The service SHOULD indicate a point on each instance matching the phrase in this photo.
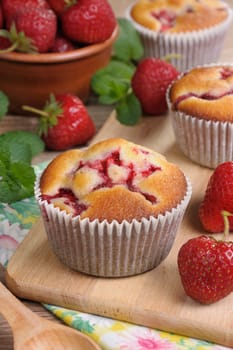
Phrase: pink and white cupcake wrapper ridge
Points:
(111, 249)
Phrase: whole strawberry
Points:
(40, 25)
(206, 268)
(64, 122)
(89, 21)
(11, 7)
(218, 197)
(150, 82)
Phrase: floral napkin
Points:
(15, 221)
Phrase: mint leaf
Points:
(128, 46)
(4, 104)
(16, 177)
(129, 110)
(112, 82)
(34, 142)
(18, 182)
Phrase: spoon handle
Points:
(15, 312)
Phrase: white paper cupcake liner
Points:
(194, 48)
(111, 249)
(206, 142)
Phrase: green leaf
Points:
(128, 46)
(16, 178)
(18, 137)
(129, 110)
(112, 82)
(4, 104)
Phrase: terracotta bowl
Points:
(30, 78)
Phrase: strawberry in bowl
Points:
(37, 58)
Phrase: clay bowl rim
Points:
(48, 58)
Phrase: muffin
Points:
(191, 30)
(112, 209)
(201, 102)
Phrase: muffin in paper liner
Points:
(111, 249)
(186, 50)
(205, 142)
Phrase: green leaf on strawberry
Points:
(4, 104)
(128, 46)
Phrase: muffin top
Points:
(113, 179)
(205, 93)
(176, 16)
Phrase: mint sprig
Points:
(112, 84)
(17, 176)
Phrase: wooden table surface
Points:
(99, 114)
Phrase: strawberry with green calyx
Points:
(33, 29)
(64, 122)
(218, 197)
(59, 6)
(206, 266)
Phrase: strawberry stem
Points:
(225, 215)
(40, 112)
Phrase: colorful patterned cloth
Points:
(15, 221)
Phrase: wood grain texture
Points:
(156, 298)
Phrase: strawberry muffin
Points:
(112, 209)
(201, 102)
(193, 30)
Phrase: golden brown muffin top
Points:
(176, 16)
(113, 179)
(205, 93)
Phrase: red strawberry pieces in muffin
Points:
(218, 197)
(150, 82)
(89, 21)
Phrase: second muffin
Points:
(201, 101)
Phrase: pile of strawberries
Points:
(54, 25)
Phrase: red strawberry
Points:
(206, 268)
(40, 25)
(150, 82)
(218, 197)
(33, 29)
(65, 122)
(59, 6)
(11, 7)
(89, 21)
(62, 44)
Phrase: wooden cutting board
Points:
(156, 298)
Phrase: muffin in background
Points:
(201, 102)
(113, 209)
(191, 30)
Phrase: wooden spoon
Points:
(32, 332)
